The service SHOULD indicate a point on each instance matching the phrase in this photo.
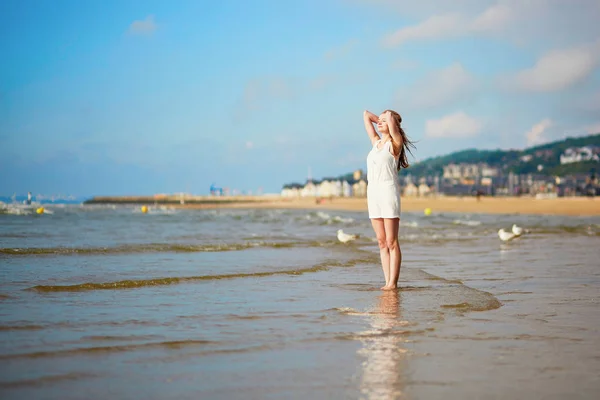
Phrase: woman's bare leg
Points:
(395, 254)
(379, 229)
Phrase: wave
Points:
(154, 248)
(409, 224)
(173, 344)
(584, 229)
(16, 209)
(44, 380)
(322, 218)
(31, 327)
(131, 284)
(467, 222)
(428, 237)
(28, 326)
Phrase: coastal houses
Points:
(465, 172)
(326, 188)
(579, 154)
(354, 186)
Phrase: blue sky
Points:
(143, 97)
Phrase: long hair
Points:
(406, 143)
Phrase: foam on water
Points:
(467, 222)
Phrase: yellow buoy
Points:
(427, 211)
(40, 210)
(144, 209)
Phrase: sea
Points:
(107, 301)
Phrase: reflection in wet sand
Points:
(382, 375)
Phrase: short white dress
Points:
(383, 190)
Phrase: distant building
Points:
(346, 189)
(578, 154)
(424, 190)
(216, 191)
(291, 190)
(464, 171)
(326, 188)
(452, 171)
(410, 190)
(526, 158)
(309, 190)
(360, 188)
(489, 172)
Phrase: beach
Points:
(263, 302)
(574, 206)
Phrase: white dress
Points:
(383, 190)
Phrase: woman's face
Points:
(382, 125)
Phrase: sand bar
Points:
(575, 206)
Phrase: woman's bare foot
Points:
(389, 287)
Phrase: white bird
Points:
(506, 236)
(345, 237)
(517, 230)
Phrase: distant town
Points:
(479, 178)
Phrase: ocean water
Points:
(99, 301)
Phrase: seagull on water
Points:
(517, 230)
(506, 236)
(345, 237)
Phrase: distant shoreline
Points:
(177, 200)
(572, 206)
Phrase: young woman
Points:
(384, 161)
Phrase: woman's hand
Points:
(389, 118)
(372, 117)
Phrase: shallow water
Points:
(104, 301)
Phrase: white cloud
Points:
(554, 23)
(249, 145)
(536, 135)
(441, 87)
(448, 25)
(143, 27)
(495, 17)
(423, 7)
(451, 25)
(558, 69)
(457, 125)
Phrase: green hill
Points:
(515, 161)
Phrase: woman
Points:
(384, 161)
